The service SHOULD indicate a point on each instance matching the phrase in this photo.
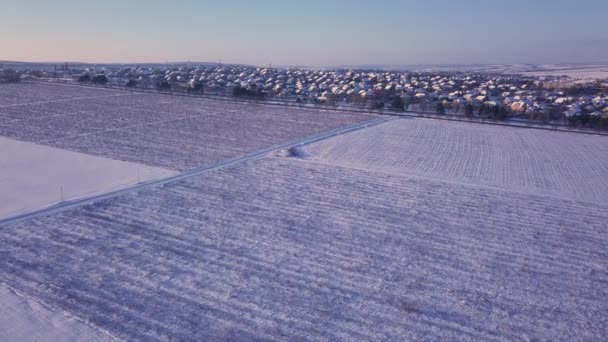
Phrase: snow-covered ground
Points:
(34, 176)
(175, 132)
(566, 165)
(586, 73)
(287, 248)
(12, 94)
(22, 319)
(577, 71)
(410, 230)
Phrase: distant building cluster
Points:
(486, 95)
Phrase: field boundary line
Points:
(77, 202)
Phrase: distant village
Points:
(547, 99)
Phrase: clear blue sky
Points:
(307, 32)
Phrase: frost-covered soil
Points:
(35, 176)
(22, 319)
(566, 165)
(159, 130)
(12, 94)
(289, 248)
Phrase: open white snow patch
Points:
(34, 176)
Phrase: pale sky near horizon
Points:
(313, 32)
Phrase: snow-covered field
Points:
(31, 93)
(22, 319)
(576, 71)
(566, 165)
(582, 73)
(34, 176)
(159, 130)
(287, 248)
(415, 229)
